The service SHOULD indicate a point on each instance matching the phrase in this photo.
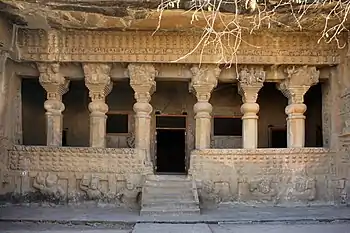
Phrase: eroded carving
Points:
(263, 175)
(219, 191)
(340, 190)
(51, 78)
(298, 81)
(301, 188)
(97, 80)
(90, 184)
(142, 80)
(130, 194)
(204, 79)
(250, 81)
(251, 75)
(263, 189)
(48, 186)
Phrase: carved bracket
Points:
(142, 80)
(204, 80)
(298, 81)
(250, 81)
(97, 80)
(52, 80)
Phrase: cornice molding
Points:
(165, 47)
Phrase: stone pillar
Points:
(55, 85)
(142, 80)
(294, 86)
(250, 82)
(204, 80)
(99, 83)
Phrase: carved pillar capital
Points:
(142, 80)
(52, 80)
(55, 85)
(298, 81)
(97, 80)
(250, 81)
(204, 80)
(99, 83)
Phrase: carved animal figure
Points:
(263, 189)
(301, 189)
(129, 194)
(91, 186)
(48, 186)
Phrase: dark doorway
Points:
(171, 144)
(278, 138)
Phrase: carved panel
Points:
(280, 176)
(69, 159)
(108, 46)
(345, 113)
(269, 161)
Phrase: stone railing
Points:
(76, 159)
(272, 176)
(73, 174)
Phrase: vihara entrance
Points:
(171, 144)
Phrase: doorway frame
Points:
(155, 128)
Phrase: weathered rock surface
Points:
(143, 15)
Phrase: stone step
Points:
(161, 211)
(169, 203)
(172, 184)
(165, 198)
(167, 191)
(170, 195)
(168, 178)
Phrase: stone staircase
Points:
(169, 195)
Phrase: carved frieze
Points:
(90, 184)
(47, 185)
(109, 46)
(258, 189)
(270, 161)
(267, 175)
(301, 188)
(69, 159)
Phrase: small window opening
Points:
(278, 137)
(227, 126)
(117, 123)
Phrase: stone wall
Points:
(71, 175)
(306, 176)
